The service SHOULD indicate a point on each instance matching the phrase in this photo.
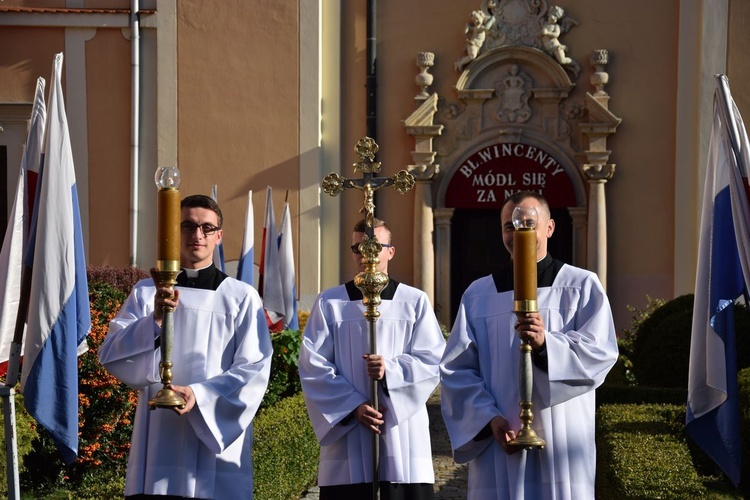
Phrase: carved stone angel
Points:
(479, 23)
(551, 31)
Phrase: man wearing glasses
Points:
(336, 367)
(222, 359)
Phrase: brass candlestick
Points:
(167, 268)
(525, 301)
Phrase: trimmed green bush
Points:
(664, 335)
(622, 373)
(642, 453)
(285, 451)
(661, 347)
(611, 394)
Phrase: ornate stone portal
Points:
(513, 97)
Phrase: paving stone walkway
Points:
(450, 478)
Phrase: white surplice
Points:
(335, 382)
(480, 380)
(222, 350)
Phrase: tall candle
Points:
(168, 224)
(524, 268)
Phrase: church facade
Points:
(603, 106)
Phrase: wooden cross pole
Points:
(371, 281)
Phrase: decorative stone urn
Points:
(425, 60)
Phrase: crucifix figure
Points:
(371, 281)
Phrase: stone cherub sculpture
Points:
(550, 38)
(476, 29)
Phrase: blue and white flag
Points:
(269, 283)
(245, 267)
(713, 418)
(286, 268)
(17, 232)
(218, 249)
(59, 319)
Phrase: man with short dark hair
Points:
(573, 348)
(222, 359)
(336, 368)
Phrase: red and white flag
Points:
(269, 282)
(17, 232)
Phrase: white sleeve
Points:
(329, 396)
(129, 351)
(467, 405)
(227, 403)
(412, 376)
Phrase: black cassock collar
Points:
(387, 294)
(546, 272)
(208, 278)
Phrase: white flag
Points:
(286, 267)
(245, 267)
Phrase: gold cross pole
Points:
(371, 281)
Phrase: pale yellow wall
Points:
(108, 85)
(238, 109)
(738, 69)
(27, 54)
(353, 124)
(643, 89)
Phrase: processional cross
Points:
(371, 281)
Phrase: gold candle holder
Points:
(525, 301)
(167, 268)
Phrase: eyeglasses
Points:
(207, 229)
(355, 247)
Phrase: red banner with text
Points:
(495, 172)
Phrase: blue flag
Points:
(713, 418)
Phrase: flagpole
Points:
(371, 281)
(733, 135)
(8, 392)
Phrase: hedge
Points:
(285, 450)
(641, 453)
